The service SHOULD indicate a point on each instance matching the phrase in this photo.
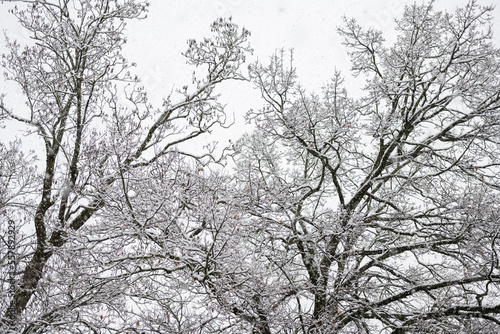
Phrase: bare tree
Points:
(97, 128)
(378, 214)
(370, 215)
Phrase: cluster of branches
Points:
(371, 215)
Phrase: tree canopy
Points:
(336, 214)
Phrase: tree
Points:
(97, 128)
(371, 215)
(378, 214)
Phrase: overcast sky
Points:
(309, 27)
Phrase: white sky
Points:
(307, 26)
(310, 28)
(156, 43)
